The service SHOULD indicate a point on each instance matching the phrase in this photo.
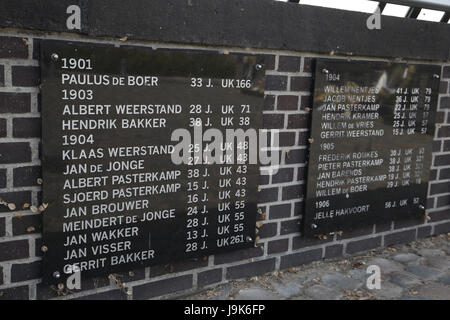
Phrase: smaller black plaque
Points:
(371, 143)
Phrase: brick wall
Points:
(279, 242)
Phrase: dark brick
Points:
(299, 207)
(269, 62)
(446, 72)
(442, 228)
(301, 174)
(439, 215)
(11, 102)
(297, 121)
(334, 251)
(263, 179)
(293, 192)
(26, 176)
(423, 232)
(108, 295)
(2, 227)
(303, 138)
(296, 156)
(363, 245)
(267, 230)
(276, 246)
(27, 224)
(290, 226)
(287, 103)
(306, 102)
(1, 275)
(239, 255)
(406, 223)
(443, 201)
(16, 293)
(268, 195)
(445, 102)
(15, 152)
(276, 83)
(206, 278)
(25, 76)
(444, 132)
(433, 174)
(437, 145)
(26, 127)
(301, 84)
(26, 271)
(19, 198)
(283, 175)
(308, 65)
(180, 266)
(162, 287)
(400, 237)
(430, 203)
(250, 269)
(289, 64)
(280, 211)
(440, 117)
(3, 130)
(443, 87)
(447, 143)
(444, 174)
(131, 275)
(296, 259)
(302, 242)
(2, 76)
(286, 139)
(269, 103)
(38, 244)
(437, 188)
(273, 121)
(13, 250)
(12, 47)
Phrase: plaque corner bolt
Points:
(436, 76)
(313, 226)
(325, 71)
(421, 207)
(56, 275)
(54, 56)
(259, 66)
(249, 239)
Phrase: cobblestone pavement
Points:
(418, 270)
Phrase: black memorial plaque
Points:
(115, 199)
(371, 143)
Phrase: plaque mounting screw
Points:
(421, 207)
(314, 226)
(249, 239)
(55, 57)
(258, 66)
(56, 275)
(436, 76)
(325, 71)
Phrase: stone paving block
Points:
(404, 279)
(445, 279)
(424, 272)
(319, 292)
(339, 281)
(256, 293)
(426, 252)
(287, 290)
(388, 291)
(406, 257)
(435, 291)
(438, 262)
(386, 266)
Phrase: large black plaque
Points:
(372, 132)
(116, 201)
